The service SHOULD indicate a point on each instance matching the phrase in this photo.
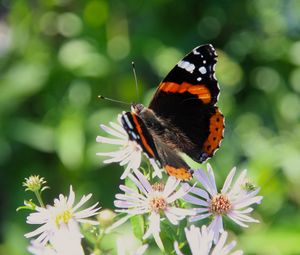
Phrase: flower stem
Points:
(39, 198)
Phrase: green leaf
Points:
(138, 226)
(129, 183)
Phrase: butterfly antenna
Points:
(136, 83)
(113, 100)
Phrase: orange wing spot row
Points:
(180, 173)
(139, 129)
(216, 128)
(201, 90)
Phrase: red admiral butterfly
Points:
(182, 116)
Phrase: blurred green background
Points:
(56, 56)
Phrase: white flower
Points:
(62, 242)
(129, 153)
(233, 201)
(201, 242)
(62, 217)
(156, 200)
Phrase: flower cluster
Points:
(164, 204)
(163, 199)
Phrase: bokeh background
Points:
(56, 56)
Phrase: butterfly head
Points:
(137, 108)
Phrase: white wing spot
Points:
(196, 52)
(187, 66)
(202, 70)
(204, 61)
(199, 79)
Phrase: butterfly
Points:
(182, 116)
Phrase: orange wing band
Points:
(216, 128)
(139, 129)
(180, 173)
(201, 90)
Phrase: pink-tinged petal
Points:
(193, 237)
(220, 243)
(228, 180)
(124, 204)
(174, 219)
(247, 210)
(175, 214)
(133, 211)
(200, 210)
(233, 218)
(211, 177)
(245, 196)
(199, 217)
(237, 186)
(139, 184)
(217, 227)
(154, 225)
(242, 217)
(202, 177)
(131, 198)
(171, 185)
(181, 211)
(177, 195)
(254, 200)
(131, 192)
(195, 200)
(197, 191)
(143, 181)
(158, 241)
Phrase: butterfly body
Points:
(182, 116)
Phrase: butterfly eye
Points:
(137, 108)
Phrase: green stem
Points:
(39, 198)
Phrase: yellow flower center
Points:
(63, 217)
(220, 204)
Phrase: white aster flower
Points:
(62, 242)
(129, 153)
(201, 242)
(156, 200)
(61, 219)
(233, 201)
